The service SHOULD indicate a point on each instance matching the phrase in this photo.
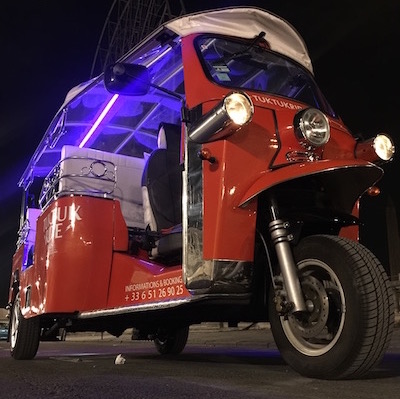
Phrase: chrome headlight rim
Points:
(312, 127)
(237, 99)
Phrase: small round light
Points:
(373, 191)
(383, 147)
(313, 127)
(239, 108)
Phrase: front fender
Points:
(361, 175)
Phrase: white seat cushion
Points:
(74, 177)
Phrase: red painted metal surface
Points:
(82, 261)
(136, 282)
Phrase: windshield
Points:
(236, 64)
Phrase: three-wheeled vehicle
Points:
(204, 177)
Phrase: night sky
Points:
(47, 47)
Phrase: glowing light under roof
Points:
(96, 124)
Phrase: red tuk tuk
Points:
(204, 177)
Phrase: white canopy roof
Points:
(239, 21)
(247, 23)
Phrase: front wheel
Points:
(24, 333)
(350, 311)
(171, 341)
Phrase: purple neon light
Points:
(96, 124)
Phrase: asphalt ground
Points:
(219, 362)
(248, 335)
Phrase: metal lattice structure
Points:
(127, 23)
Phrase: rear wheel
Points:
(24, 333)
(349, 318)
(171, 341)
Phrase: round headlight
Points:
(312, 127)
(383, 147)
(239, 108)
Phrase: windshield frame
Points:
(320, 102)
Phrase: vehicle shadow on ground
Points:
(389, 368)
(223, 355)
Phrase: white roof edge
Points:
(246, 22)
(76, 90)
(249, 21)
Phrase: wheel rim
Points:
(14, 322)
(318, 331)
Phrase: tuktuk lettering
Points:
(59, 220)
(276, 102)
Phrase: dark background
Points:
(47, 47)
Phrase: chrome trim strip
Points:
(133, 308)
(156, 305)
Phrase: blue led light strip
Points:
(96, 124)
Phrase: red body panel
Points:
(73, 254)
(82, 261)
(136, 282)
(292, 171)
(241, 159)
(246, 161)
(78, 268)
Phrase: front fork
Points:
(291, 298)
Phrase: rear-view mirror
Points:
(127, 79)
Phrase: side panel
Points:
(16, 268)
(218, 234)
(245, 156)
(72, 264)
(225, 230)
(137, 282)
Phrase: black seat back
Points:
(162, 179)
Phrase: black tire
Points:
(171, 341)
(350, 315)
(24, 333)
